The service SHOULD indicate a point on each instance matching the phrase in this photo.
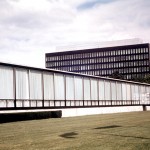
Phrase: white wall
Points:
(98, 110)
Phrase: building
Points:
(24, 88)
(131, 61)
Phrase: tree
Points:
(116, 75)
(145, 79)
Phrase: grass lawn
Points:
(127, 131)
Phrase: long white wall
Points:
(31, 86)
(99, 110)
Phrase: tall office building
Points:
(131, 61)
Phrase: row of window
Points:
(101, 60)
(105, 70)
(108, 73)
(98, 54)
(100, 65)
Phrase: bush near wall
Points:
(22, 116)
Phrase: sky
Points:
(31, 28)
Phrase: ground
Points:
(121, 131)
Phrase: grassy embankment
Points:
(127, 131)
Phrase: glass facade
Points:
(130, 61)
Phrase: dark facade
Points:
(131, 61)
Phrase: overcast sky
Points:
(30, 28)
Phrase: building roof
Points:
(99, 49)
(91, 45)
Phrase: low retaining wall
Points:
(70, 112)
(148, 108)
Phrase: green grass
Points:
(127, 131)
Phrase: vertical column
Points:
(83, 89)
(104, 92)
(121, 93)
(116, 90)
(98, 90)
(90, 92)
(42, 89)
(110, 92)
(65, 89)
(14, 86)
(54, 89)
(29, 87)
(74, 90)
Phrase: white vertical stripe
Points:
(132, 92)
(48, 86)
(87, 91)
(35, 85)
(142, 93)
(22, 85)
(94, 94)
(59, 87)
(107, 90)
(124, 91)
(128, 92)
(101, 90)
(70, 88)
(119, 91)
(136, 92)
(78, 88)
(6, 83)
(113, 90)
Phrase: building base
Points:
(72, 112)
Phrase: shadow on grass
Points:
(116, 126)
(138, 137)
(69, 135)
(108, 127)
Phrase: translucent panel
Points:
(19, 103)
(22, 84)
(128, 92)
(148, 92)
(33, 103)
(10, 103)
(59, 87)
(101, 90)
(39, 103)
(6, 83)
(51, 103)
(107, 91)
(35, 85)
(46, 103)
(119, 91)
(136, 92)
(26, 103)
(87, 90)
(133, 96)
(94, 89)
(70, 88)
(3, 103)
(142, 93)
(124, 91)
(48, 79)
(78, 88)
(113, 90)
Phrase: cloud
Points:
(29, 28)
(92, 3)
